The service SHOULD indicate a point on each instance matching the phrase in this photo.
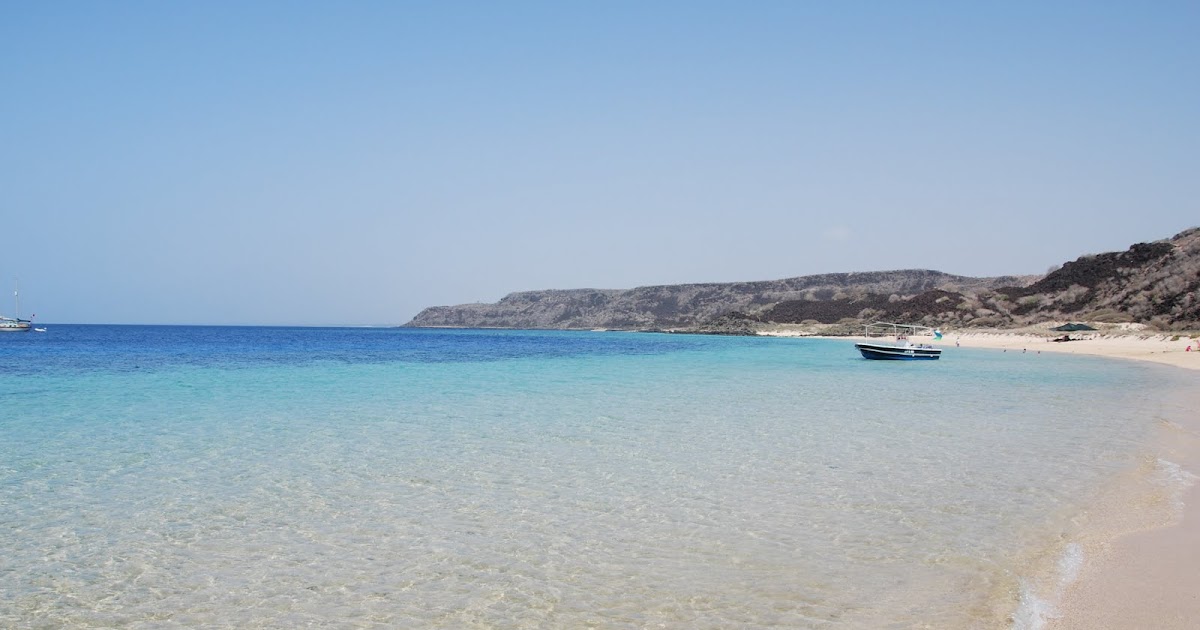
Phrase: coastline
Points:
(1165, 348)
(1159, 348)
(1144, 572)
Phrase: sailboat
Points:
(15, 323)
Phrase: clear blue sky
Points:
(353, 162)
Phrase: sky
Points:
(350, 163)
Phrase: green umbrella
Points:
(1072, 327)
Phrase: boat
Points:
(902, 348)
(11, 324)
(15, 324)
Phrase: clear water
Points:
(276, 477)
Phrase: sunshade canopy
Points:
(1072, 327)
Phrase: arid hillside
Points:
(1151, 283)
(691, 305)
(1156, 284)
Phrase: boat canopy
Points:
(880, 329)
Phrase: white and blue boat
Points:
(902, 349)
(14, 324)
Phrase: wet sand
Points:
(1146, 579)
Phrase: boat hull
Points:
(897, 353)
(14, 328)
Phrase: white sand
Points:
(1157, 348)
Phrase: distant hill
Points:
(1152, 283)
(689, 305)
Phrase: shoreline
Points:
(1159, 348)
(1145, 574)
(1164, 348)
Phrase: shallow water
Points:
(274, 477)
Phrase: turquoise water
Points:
(273, 477)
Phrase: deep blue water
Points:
(119, 348)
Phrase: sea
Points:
(272, 477)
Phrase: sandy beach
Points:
(1170, 349)
(1146, 575)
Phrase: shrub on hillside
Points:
(1108, 316)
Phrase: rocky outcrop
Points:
(1151, 283)
(1154, 283)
